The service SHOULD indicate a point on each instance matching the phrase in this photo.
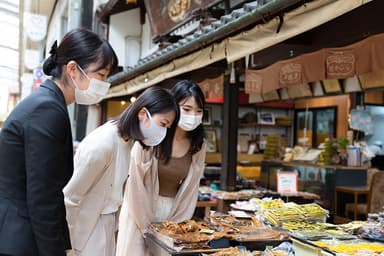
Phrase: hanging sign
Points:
(253, 82)
(213, 89)
(287, 182)
(35, 26)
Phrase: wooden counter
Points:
(207, 205)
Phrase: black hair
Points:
(183, 90)
(84, 47)
(156, 100)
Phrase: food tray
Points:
(157, 247)
(375, 239)
(187, 236)
(259, 245)
(313, 235)
(349, 247)
(372, 231)
(261, 238)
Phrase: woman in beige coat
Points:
(94, 194)
(160, 190)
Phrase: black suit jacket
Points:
(36, 162)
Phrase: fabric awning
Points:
(302, 19)
(365, 56)
(298, 21)
(196, 60)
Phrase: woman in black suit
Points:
(36, 152)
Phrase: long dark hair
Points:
(183, 90)
(82, 46)
(156, 100)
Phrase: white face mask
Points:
(189, 122)
(154, 134)
(95, 91)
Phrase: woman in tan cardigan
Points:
(160, 190)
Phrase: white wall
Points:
(122, 25)
(127, 24)
(97, 3)
(147, 47)
(54, 27)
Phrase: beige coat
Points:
(141, 194)
(89, 190)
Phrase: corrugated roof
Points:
(250, 13)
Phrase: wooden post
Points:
(229, 133)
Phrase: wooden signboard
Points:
(165, 15)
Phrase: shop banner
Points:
(213, 88)
(326, 65)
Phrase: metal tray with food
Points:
(350, 247)
(372, 238)
(188, 235)
(158, 247)
(260, 245)
(315, 235)
(260, 238)
(232, 251)
(372, 231)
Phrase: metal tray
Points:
(259, 245)
(374, 239)
(158, 248)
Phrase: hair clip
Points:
(53, 48)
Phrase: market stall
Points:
(268, 226)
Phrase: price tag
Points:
(287, 182)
